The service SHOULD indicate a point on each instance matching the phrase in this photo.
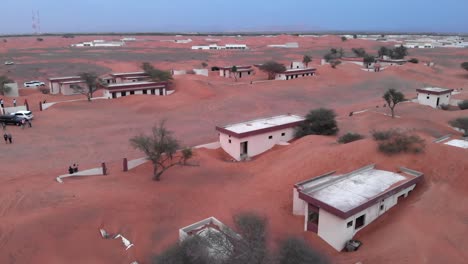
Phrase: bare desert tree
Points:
(234, 72)
(3, 88)
(93, 83)
(156, 75)
(393, 97)
(296, 251)
(161, 148)
(272, 68)
(306, 60)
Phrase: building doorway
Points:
(114, 95)
(244, 149)
(360, 221)
(161, 92)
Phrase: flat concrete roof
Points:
(354, 191)
(64, 78)
(263, 123)
(115, 85)
(458, 143)
(436, 89)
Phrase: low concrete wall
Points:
(203, 72)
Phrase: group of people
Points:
(7, 137)
(2, 103)
(73, 169)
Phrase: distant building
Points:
(434, 96)
(127, 77)
(295, 73)
(117, 90)
(217, 47)
(296, 69)
(65, 85)
(248, 139)
(336, 207)
(241, 70)
(289, 45)
(417, 45)
(100, 43)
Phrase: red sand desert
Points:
(42, 221)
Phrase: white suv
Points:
(24, 114)
(34, 84)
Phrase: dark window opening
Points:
(270, 137)
(349, 224)
(427, 97)
(132, 92)
(360, 221)
(229, 141)
(124, 93)
(283, 134)
(314, 217)
(153, 91)
(381, 207)
(144, 91)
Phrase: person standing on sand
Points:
(14, 102)
(23, 123)
(29, 123)
(1, 102)
(70, 170)
(10, 138)
(5, 136)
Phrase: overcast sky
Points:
(234, 15)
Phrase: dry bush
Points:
(349, 137)
(394, 141)
(463, 104)
(44, 90)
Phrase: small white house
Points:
(127, 77)
(295, 73)
(241, 71)
(434, 96)
(117, 90)
(248, 139)
(99, 43)
(217, 47)
(336, 207)
(65, 85)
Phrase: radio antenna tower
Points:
(36, 22)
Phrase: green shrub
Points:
(394, 141)
(349, 137)
(413, 60)
(463, 104)
(319, 121)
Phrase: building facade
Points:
(248, 139)
(241, 71)
(132, 88)
(336, 207)
(295, 73)
(434, 96)
(64, 85)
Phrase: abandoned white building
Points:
(336, 207)
(126, 77)
(217, 47)
(100, 43)
(295, 73)
(65, 85)
(116, 90)
(417, 45)
(241, 70)
(434, 96)
(288, 45)
(248, 139)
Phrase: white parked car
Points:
(9, 63)
(34, 84)
(24, 114)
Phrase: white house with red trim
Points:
(296, 69)
(116, 90)
(251, 138)
(337, 206)
(434, 96)
(63, 85)
(241, 71)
